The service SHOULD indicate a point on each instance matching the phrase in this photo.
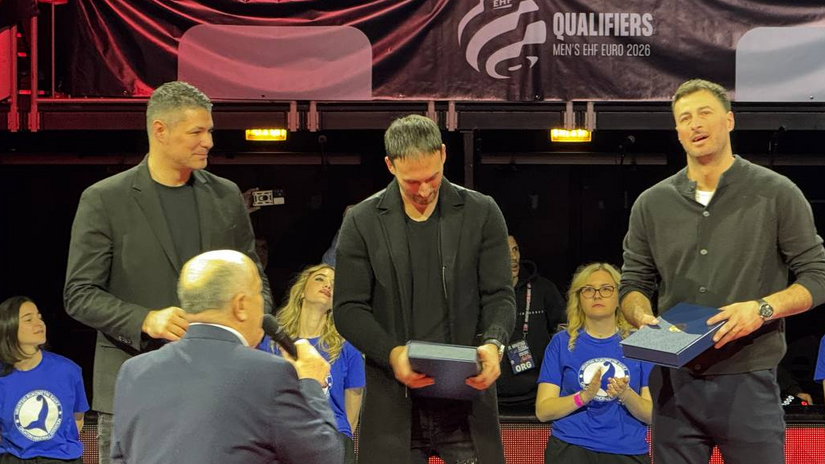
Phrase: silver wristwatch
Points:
(497, 344)
(765, 309)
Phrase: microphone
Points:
(627, 142)
(276, 332)
(773, 143)
(775, 136)
(779, 130)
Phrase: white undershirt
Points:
(704, 196)
(230, 329)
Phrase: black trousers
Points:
(441, 428)
(740, 413)
(560, 452)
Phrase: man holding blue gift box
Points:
(723, 232)
(424, 260)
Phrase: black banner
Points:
(499, 50)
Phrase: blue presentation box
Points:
(449, 365)
(681, 335)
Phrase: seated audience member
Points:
(42, 399)
(209, 398)
(819, 374)
(539, 309)
(307, 314)
(598, 400)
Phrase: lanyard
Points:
(526, 325)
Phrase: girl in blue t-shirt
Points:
(598, 400)
(42, 399)
(308, 314)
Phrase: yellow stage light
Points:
(265, 135)
(575, 135)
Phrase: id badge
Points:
(521, 360)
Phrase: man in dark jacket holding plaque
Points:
(723, 233)
(539, 310)
(424, 260)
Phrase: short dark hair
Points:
(174, 97)
(697, 85)
(10, 352)
(412, 136)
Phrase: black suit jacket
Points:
(122, 261)
(373, 299)
(210, 399)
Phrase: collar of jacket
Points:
(687, 187)
(528, 271)
(447, 196)
(143, 179)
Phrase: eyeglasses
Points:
(605, 291)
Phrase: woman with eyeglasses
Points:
(42, 399)
(598, 400)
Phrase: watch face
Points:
(765, 310)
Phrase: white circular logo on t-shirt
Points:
(610, 368)
(38, 415)
(328, 387)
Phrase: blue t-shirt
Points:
(819, 375)
(346, 372)
(603, 425)
(37, 410)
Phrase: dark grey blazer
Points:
(122, 261)
(210, 399)
(373, 298)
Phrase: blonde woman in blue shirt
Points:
(598, 400)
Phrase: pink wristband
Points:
(577, 398)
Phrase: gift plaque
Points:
(681, 335)
(449, 365)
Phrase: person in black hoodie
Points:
(520, 365)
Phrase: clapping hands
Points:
(617, 387)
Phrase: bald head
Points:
(211, 280)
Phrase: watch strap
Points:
(498, 344)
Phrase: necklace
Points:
(596, 335)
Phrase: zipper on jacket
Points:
(444, 281)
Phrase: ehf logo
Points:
(610, 368)
(38, 415)
(509, 15)
(328, 388)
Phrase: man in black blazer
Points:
(424, 260)
(212, 397)
(133, 232)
